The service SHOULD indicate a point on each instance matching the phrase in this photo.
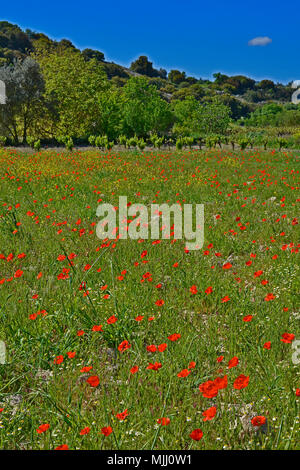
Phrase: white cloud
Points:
(260, 41)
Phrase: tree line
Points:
(57, 93)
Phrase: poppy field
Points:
(143, 344)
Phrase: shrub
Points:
(92, 139)
(179, 143)
(188, 141)
(69, 143)
(132, 142)
(37, 145)
(3, 140)
(122, 139)
(30, 141)
(101, 141)
(243, 142)
(141, 144)
(282, 143)
(159, 141)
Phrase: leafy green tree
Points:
(143, 108)
(109, 119)
(175, 76)
(186, 116)
(14, 39)
(194, 118)
(220, 79)
(89, 54)
(195, 90)
(215, 118)
(143, 66)
(266, 85)
(76, 87)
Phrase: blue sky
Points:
(200, 37)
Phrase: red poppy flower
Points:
(233, 362)
(209, 414)
(71, 354)
(97, 328)
(221, 382)
(287, 338)
(258, 420)
(258, 273)
(123, 415)
(134, 369)
(196, 435)
(241, 381)
(193, 289)
(184, 373)
(164, 421)
(267, 345)
(227, 266)
(86, 369)
(155, 366)
(43, 428)
(159, 302)
(93, 381)
(18, 273)
(124, 345)
(106, 431)
(62, 447)
(85, 431)
(269, 297)
(247, 318)
(174, 336)
(111, 319)
(139, 318)
(59, 359)
(209, 389)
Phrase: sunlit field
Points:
(141, 344)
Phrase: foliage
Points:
(144, 67)
(25, 103)
(143, 109)
(195, 118)
(76, 88)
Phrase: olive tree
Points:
(24, 85)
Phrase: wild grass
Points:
(48, 205)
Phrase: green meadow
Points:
(143, 344)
